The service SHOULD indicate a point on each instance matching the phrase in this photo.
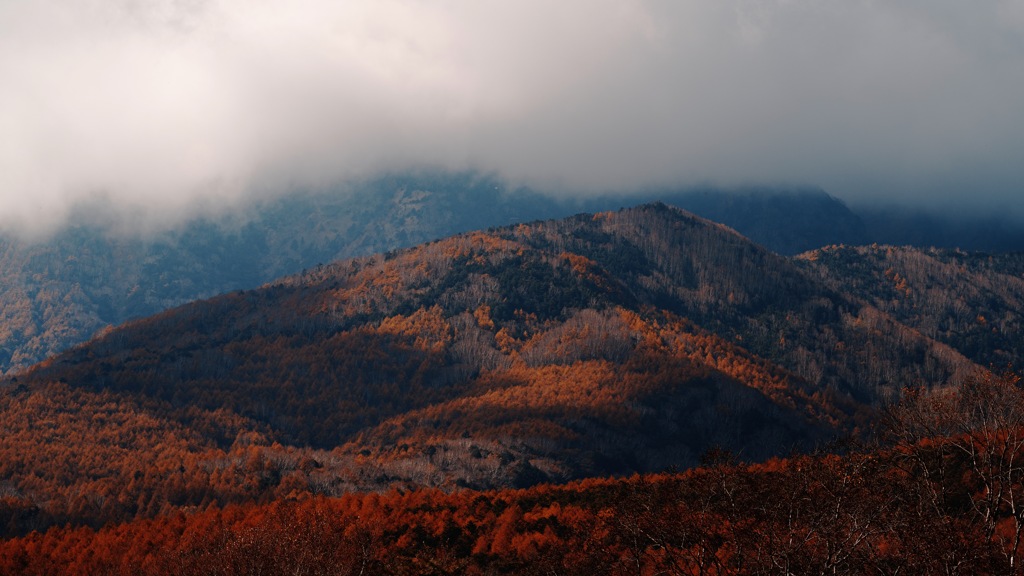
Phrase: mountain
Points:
(94, 275)
(612, 343)
(61, 292)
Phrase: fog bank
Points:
(165, 109)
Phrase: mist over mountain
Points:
(60, 292)
(168, 110)
(905, 226)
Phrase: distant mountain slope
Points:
(530, 275)
(972, 302)
(440, 314)
(61, 292)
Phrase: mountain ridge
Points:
(61, 292)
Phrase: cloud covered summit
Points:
(168, 107)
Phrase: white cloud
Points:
(163, 106)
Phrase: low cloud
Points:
(160, 109)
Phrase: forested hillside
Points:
(600, 344)
(973, 302)
(925, 504)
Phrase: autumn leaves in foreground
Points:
(943, 495)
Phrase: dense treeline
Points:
(925, 505)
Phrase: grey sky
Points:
(166, 107)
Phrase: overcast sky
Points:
(165, 107)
